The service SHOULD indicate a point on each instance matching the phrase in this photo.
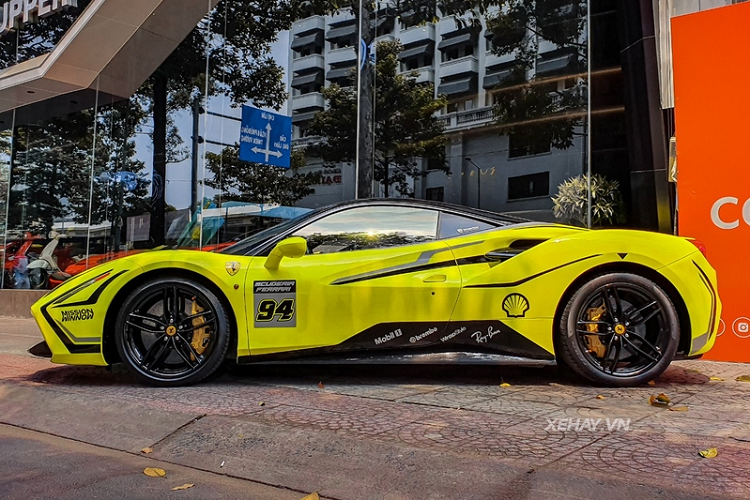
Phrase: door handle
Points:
(436, 278)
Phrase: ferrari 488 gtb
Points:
(400, 278)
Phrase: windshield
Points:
(246, 246)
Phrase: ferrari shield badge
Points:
(233, 268)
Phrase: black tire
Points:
(630, 341)
(38, 278)
(157, 336)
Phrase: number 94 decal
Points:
(270, 310)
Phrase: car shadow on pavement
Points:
(366, 375)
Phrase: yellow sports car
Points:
(403, 278)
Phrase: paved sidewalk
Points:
(405, 432)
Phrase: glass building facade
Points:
(121, 130)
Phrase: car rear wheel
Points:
(172, 332)
(619, 329)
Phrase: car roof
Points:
(435, 205)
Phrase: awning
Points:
(341, 31)
(554, 63)
(420, 50)
(313, 39)
(339, 73)
(308, 79)
(457, 39)
(498, 75)
(303, 117)
(458, 86)
(282, 212)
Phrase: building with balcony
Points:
(522, 115)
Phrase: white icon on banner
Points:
(722, 328)
(741, 327)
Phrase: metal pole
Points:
(194, 158)
(588, 112)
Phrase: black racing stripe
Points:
(707, 282)
(69, 345)
(479, 259)
(396, 272)
(417, 337)
(51, 322)
(94, 296)
(534, 276)
(85, 349)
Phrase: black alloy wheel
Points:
(619, 329)
(172, 332)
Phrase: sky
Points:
(212, 128)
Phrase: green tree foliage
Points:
(405, 126)
(539, 107)
(571, 201)
(53, 162)
(237, 180)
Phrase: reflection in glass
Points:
(370, 227)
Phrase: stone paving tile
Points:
(387, 392)
(457, 396)
(512, 406)
(664, 459)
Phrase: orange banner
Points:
(711, 55)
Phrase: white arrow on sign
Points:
(267, 151)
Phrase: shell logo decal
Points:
(515, 305)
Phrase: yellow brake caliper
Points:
(593, 342)
(201, 335)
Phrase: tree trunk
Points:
(365, 145)
(158, 185)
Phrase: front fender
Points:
(72, 317)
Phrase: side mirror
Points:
(294, 247)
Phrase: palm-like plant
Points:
(607, 206)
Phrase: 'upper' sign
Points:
(16, 13)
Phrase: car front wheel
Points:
(172, 332)
(619, 329)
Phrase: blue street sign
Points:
(266, 137)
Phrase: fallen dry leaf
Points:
(183, 487)
(692, 370)
(716, 378)
(709, 453)
(147, 450)
(321, 385)
(261, 404)
(312, 496)
(505, 384)
(154, 472)
(600, 397)
(679, 408)
(660, 400)
(651, 382)
(743, 378)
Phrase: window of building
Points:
(369, 228)
(528, 186)
(455, 225)
(452, 107)
(527, 143)
(435, 194)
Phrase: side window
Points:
(370, 227)
(455, 225)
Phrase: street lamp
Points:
(479, 181)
